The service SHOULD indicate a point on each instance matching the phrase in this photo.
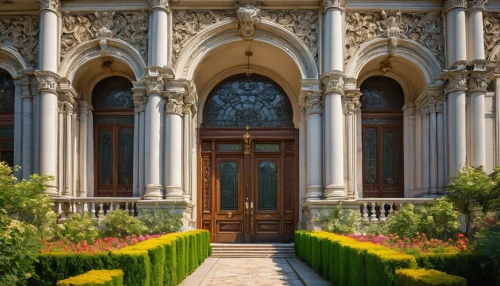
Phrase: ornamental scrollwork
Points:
(128, 26)
(491, 31)
(423, 28)
(21, 32)
(188, 23)
(248, 15)
(303, 23)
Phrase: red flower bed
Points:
(101, 244)
(416, 245)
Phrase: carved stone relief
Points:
(491, 30)
(131, 27)
(303, 23)
(22, 33)
(424, 28)
(188, 23)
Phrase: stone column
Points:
(302, 154)
(476, 36)
(68, 152)
(173, 143)
(83, 112)
(154, 136)
(139, 107)
(425, 149)
(351, 106)
(27, 138)
(436, 137)
(409, 147)
(186, 150)
(455, 90)
(314, 189)
(441, 147)
(418, 150)
(333, 79)
(18, 125)
(48, 80)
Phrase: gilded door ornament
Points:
(248, 141)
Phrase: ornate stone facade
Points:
(21, 32)
(131, 27)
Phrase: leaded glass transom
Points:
(229, 148)
(268, 186)
(228, 186)
(7, 92)
(380, 92)
(262, 147)
(256, 101)
(113, 93)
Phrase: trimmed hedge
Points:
(161, 261)
(474, 267)
(423, 277)
(95, 278)
(346, 261)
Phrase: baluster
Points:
(382, 212)
(126, 208)
(111, 206)
(136, 212)
(401, 206)
(85, 208)
(365, 212)
(391, 211)
(59, 210)
(100, 211)
(373, 216)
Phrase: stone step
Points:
(253, 255)
(249, 250)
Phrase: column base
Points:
(314, 193)
(174, 192)
(51, 191)
(335, 192)
(153, 192)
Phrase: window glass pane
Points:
(256, 101)
(8, 145)
(8, 156)
(113, 92)
(7, 92)
(390, 156)
(126, 156)
(229, 148)
(382, 121)
(381, 92)
(228, 186)
(268, 186)
(370, 156)
(113, 120)
(267, 147)
(105, 157)
(7, 132)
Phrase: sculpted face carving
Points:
(248, 15)
(423, 28)
(128, 26)
(21, 32)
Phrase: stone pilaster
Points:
(351, 107)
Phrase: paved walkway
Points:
(254, 271)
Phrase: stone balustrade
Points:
(100, 206)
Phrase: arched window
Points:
(113, 104)
(7, 97)
(256, 101)
(382, 103)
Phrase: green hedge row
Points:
(346, 261)
(166, 260)
(95, 278)
(423, 277)
(474, 267)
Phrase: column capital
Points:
(174, 101)
(140, 97)
(53, 5)
(314, 104)
(351, 103)
(47, 81)
(333, 4)
(479, 72)
(154, 85)
(333, 82)
(159, 4)
(476, 5)
(454, 4)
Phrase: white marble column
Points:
(314, 189)
(351, 106)
(333, 79)
(441, 148)
(418, 150)
(48, 65)
(83, 112)
(186, 150)
(456, 51)
(68, 152)
(90, 154)
(18, 126)
(142, 150)
(27, 137)
(433, 152)
(425, 150)
(138, 170)
(173, 143)
(154, 138)
(409, 149)
(497, 119)
(477, 88)
(302, 154)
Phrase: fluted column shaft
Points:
(173, 144)
(314, 189)
(83, 113)
(27, 131)
(351, 107)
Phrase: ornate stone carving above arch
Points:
(11, 60)
(220, 34)
(21, 33)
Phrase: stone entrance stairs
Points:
(253, 250)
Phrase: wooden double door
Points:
(248, 192)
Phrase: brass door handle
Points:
(251, 208)
(246, 206)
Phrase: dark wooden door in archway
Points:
(249, 197)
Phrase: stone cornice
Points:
(333, 4)
(159, 4)
(333, 82)
(453, 4)
(53, 5)
(47, 81)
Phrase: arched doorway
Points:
(113, 115)
(7, 98)
(382, 121)
(249, 178)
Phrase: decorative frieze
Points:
(303, 23)
(248, 16)
(22, 32)
(314, 105)
(330, 4)
(423, 28)
(333, 81)
(79, 27)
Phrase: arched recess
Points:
(11, 60)
(226, 32)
